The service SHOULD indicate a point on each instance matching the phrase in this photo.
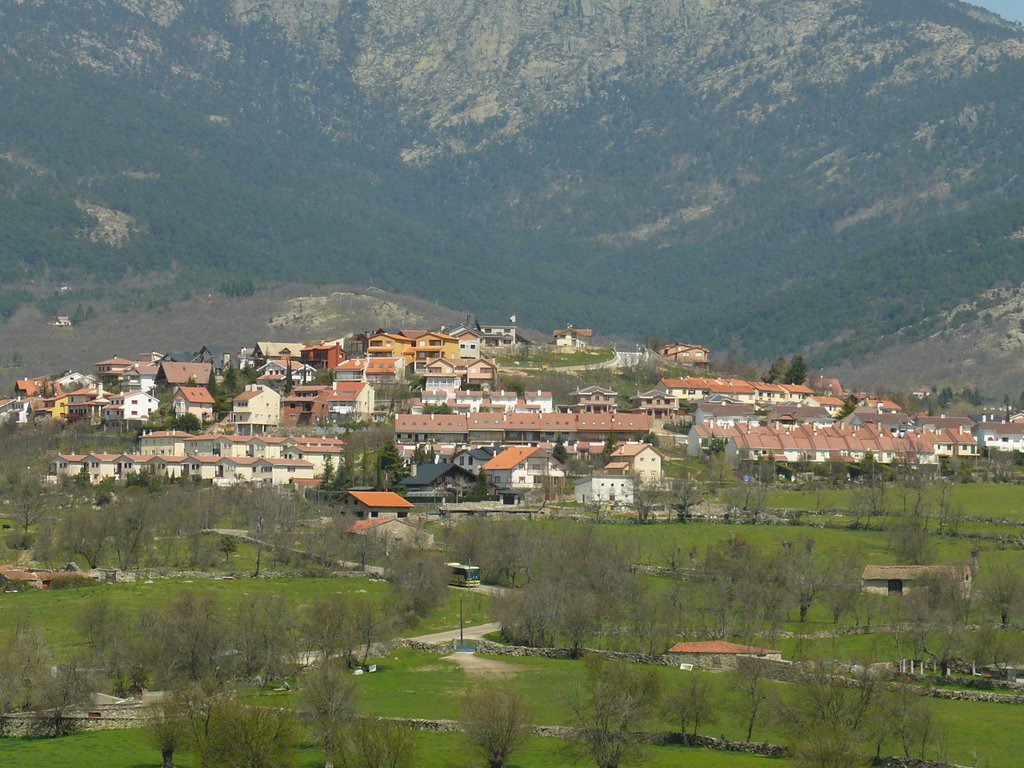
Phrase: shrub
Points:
(71, 581)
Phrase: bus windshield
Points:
(461, 575)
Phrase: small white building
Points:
(130, 406)
(605, 490)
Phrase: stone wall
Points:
(783, 671)
(107, 717)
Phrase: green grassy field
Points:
(992, 500)
(128, 749)
(657, 544)
(57, 612)
(411, 684)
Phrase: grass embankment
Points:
(990, 500)
(57, 612)
(128, 749)
(548, 358)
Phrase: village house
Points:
(15, 411)
(109, 371)
(604, 489)
(85, 406)
(255, 410)
(375, 504)
(523, 468)
(325, 356)
(592, 399)
(572, 338)
(724, 414)
(278, 373)
(384, 370)
(687, 354)
(657, 405)
(640, 460)
(799, 414)
(526, 429)
(452, 375)
(317, 450)
(538, 400)
(264, 351)
(195, 401)
(890, 421)
(898, 580)
(163, 442)
(391, 533)
(351, 400)
(305, 405)
(351, 370)
(437, 480)
(220, 470)
(140, 376)
(386, 344)
(172, 374)
(694, 388)
(840, 443)
(834, 405)
(472, 459)
(501, 401)
(500, 336)
(470, 341)
(431, 345)
(130, 408)
(1000, 436)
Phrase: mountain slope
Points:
(696, 168)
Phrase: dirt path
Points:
(478, 665)
(470, 633)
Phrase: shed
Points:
(901, 579)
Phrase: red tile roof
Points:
(510, 458)
(380, 499)
(195, 395)
(180, 373)
(363, 525)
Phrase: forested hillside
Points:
(813, 175)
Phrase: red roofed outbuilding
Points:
(717, 654)
(376, 504)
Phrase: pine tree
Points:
(796, 373)
(289, 382)
(391, 464)
(558, 452)
(777, 371)
(327, 481)
(481, 488)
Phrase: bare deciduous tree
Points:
(691, 703)
(1001, 587)
(611, 709)
(751, 682)
(374, 743)
(167, 729)
(329, 704)
(496, 722)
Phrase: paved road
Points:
(470, 633)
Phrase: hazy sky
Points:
(1010, 9)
